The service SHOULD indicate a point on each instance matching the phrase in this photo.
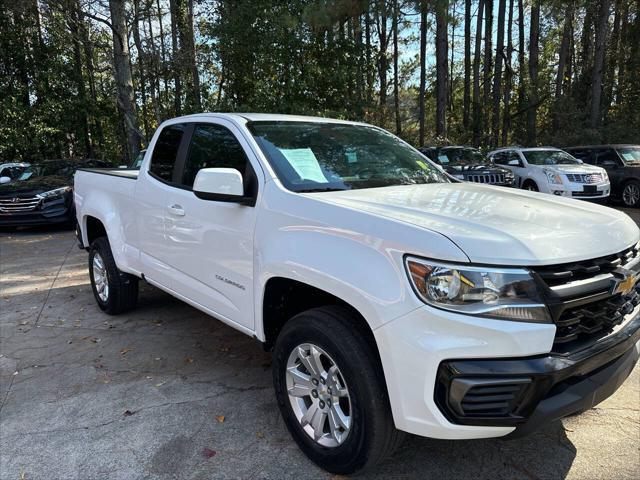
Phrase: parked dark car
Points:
(469, 164)
(42, 194)
(622, 163)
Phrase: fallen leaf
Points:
(259, 434)
(188, 360)
(160, 384)
(220, 418)
(208, 453)
(128, 413)
(124, 351)
(15, 373)
(224, 349)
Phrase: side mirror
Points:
(4, 180)
(221, 185)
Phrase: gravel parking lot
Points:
(167, 392)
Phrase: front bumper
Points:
(530, 392)
(581, 190)
(417, 351)
(52, 213)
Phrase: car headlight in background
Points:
(605, 176)
(500, 293)
(553, 177)
(509, 177)
(51, 194)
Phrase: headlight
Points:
(58, 192)
(553, 177)
(605, 176)
(501, 293)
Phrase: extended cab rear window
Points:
(166, 151)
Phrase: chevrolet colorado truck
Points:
(394, 297)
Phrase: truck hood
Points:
(500, 226)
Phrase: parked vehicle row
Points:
(393, 296)
(589, 173)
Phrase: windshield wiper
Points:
(321, 189)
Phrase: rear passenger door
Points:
(155, 183)
(210, 243)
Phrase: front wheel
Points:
(531, 186)
(631, 194)
(331, 393)
(115, 291)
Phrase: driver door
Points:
(211, 242)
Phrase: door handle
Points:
(176, 210)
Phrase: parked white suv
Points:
(393, 296)
(551, 170)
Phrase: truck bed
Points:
(131, 173)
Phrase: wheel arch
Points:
(284, 297)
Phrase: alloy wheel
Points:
(631, 194)
(318, 395)
(100, 277)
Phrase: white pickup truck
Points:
(394, 297)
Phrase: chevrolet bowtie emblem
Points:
(623, 282)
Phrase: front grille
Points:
(18, 205)
(587, 194)
(580, 301)
(594, 318)
(569, 272)
(585, 177)
(491, 178)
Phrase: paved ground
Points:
(166, 392)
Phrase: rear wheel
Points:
(115, 291)
(331, 393)
(631, 194)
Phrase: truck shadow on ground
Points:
(167, 354)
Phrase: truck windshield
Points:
(549, 157)
(315, 156)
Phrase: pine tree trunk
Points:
(488, 52)
(74, 27)
(423, 69)
(508, 80)
(188, 43)
(477, 108)
(123, 77)
(442, 68)
(176, 60)
(141, 66)
(497, 76)
(381, 22)
(396, 87)
(613, 57)
(466, 102)
(598, 64)
(163, 53)
(534, 38)
(522, 66)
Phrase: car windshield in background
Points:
(63, 169)
(314, 156)
(549, 157)
(630, 155)
(461, 156)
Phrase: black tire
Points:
(630, 191)
(122, 287)
(372, 436)
(531, 186)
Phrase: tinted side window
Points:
(166, 151)
(606, 156)
(212, 146)
(499, 158)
